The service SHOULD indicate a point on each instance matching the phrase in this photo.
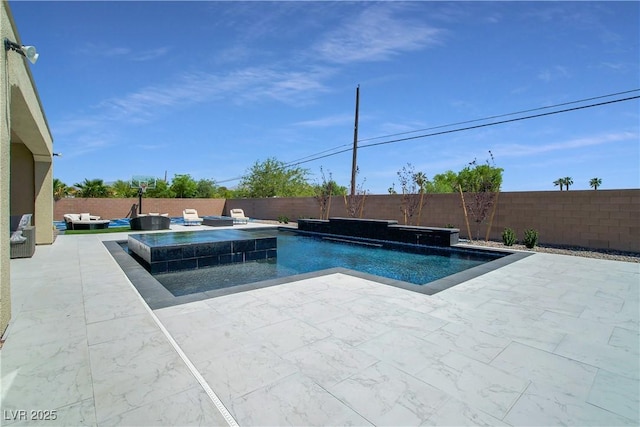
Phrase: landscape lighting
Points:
(28, 52)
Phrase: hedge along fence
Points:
(602, 219)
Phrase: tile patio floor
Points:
(547, 340)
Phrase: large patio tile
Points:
(473, 343)
(567, 324)
(617, 394)
(121, 328)
(625, 339)
(287, 335)
(206, 340)
(403, 350)
(543, 406)
(614, 359)
(353, 330)
(47, 378)
(110, 305)
(317, 311)
(295, 400)
(546, 368)
(329, 361)
(121, 388)
(477, 384)
(181, 309)
(191, 407)
(387, 396)
(240, 371)
(457, 413)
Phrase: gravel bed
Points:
(564, 250)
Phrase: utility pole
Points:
(354, 163)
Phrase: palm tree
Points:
(595, 183)
(421, 181)
(567, 181)
(60, 189)
(559, 182)
(92, 188)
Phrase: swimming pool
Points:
(298, 254)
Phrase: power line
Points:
(330, 152)
(464, 122)
(502, 121)
(503, 115)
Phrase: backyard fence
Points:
(602, 219)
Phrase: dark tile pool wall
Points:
(198, 255)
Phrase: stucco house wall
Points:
(26, 144)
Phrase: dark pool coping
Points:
(157, 296)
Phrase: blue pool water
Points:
(302, 254)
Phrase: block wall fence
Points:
(602, 219)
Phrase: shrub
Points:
(508, 237)
(283, 219)
(530, 238)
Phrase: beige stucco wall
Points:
(26, 147)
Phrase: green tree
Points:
(205, 189)
(122, 189)
(483, 181)
(559, 182)
(567, 181)
(272, 178)
(60, 189)
(92, 188)
(446, 182)
(162, 191)
(595, 183)
(184, 186)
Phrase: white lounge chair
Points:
(238, 216)
(191, 217)
(84, 221)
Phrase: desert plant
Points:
(530, 238)
(508, 237)
(283, 219)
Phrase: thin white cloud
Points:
(375, 35)
(519, 150)
(553, 73)
(254, 84)
(120, 52)
(329, 121)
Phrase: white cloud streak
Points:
(520, 150)
(375, 35)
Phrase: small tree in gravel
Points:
(481, 182)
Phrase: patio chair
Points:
(23, 237)
(238, 216)
(191, 217)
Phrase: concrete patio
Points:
(547, 340)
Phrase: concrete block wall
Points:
(602, 219)
(120, 208)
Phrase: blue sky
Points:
(209, 88)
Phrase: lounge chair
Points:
(85, 221)
(23, 237)
(238, 216)
(191, 217)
